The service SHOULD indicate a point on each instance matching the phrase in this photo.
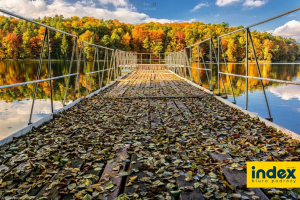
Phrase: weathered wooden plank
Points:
(110, 173)
(219, 156)
(173, 110)
(178, 91)
(194, 194)
(50, 190)
(184, 109)
(236, 178)
(137, 184)
(155, 116)
(144, 116)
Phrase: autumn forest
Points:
(23, 40)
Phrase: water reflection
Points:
(284, 99)
(15, 102)
(14, 115)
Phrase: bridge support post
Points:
(49, 68)
(70, 70)
(38, 75)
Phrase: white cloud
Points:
(254, 3)
(247, 3)
(116, 3)
(198, 6)
(162, 21)
(123, 10)
(192, 20)
(290, 30)
(286, 92)
(225, 2)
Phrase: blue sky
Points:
(234, 12)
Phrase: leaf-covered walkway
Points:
(150, 136)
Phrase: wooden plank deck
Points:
(150, 136)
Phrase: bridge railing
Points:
(151, 58)
(182, 63)
(46, 47)
(125, 62)
(193, 59)
(249, 44)
(108, 64)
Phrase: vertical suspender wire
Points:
(103, 68)
(49, 68)
(173, 62)
(186, 61)
(261, 82)
(98, 64)
(176, 63)
(211, 70)
(182, 63)
(198, 69)
(204, 64)
(114, 62)
(110, 67)
(78, 69)
(117, 64)
(38, 76)
(70, 71)
(93, 69)
(229, 77)
(202, 56)
(220, 75)
(218, 66)
(192, 62)
(246, 104)
(214, 51)
(107, 67)
(120, 63)
(85, 70)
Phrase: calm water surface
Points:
(15, 103)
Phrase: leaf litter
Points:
(96, 129)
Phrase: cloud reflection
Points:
(286, 92)
(15, 115)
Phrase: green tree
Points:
(64, 46)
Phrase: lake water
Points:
(284, 99)
(15, 103)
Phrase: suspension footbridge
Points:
(152, 132)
